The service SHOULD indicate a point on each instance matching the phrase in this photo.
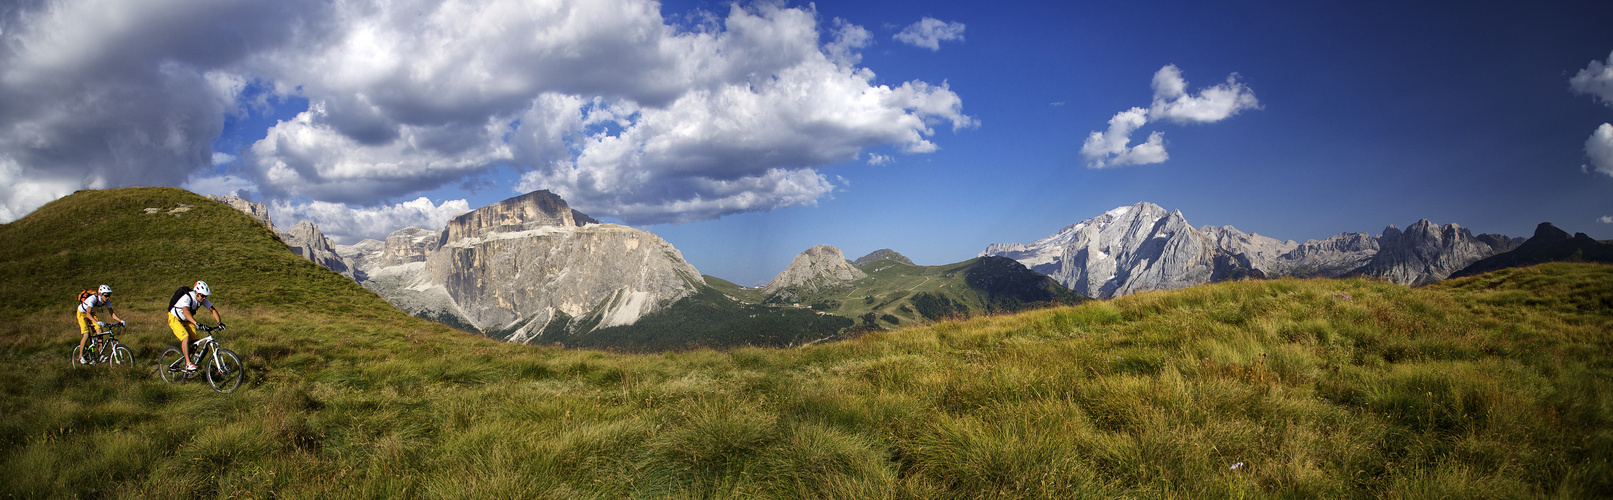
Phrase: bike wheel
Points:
(171, 365)
(225, 373)
(120, 356)
(72, 357)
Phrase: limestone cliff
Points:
(511, 268)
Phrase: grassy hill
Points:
(897, 293)
(1495, 386)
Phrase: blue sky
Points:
(744, 135)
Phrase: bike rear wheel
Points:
(224, 371)
(171, 365)
(73, 357)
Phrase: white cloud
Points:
(929, 32)
(1596, 79)
(1599, 148)
(222, 159)
(345, 225)
(21, 193)
(602, 100)
(879, 159)
(1111, 148)
(1172, 102)
(1606, 219)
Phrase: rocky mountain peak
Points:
(1547, 233)
(815, 269)
(534, 210)
(307, 241)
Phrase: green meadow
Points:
(1494, 386)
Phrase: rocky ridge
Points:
(1142, 247)
(1549, 244)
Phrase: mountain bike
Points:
(220, 366)
(102, 348)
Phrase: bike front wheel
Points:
(120, 356)
(171, 365)
(224, 371)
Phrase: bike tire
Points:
(225, 378)
(171, 364)
(72, 357)
(120, 356)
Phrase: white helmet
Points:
(104, 290)
(201, 288)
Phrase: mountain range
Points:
(530, 269)
(1142, 247)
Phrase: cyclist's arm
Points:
(112, 313)
(216, 319)
(185, 311)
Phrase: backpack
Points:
(85, 295)
(177, 294)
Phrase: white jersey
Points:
(189, 301)
(91, 303)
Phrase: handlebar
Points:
(206, 328)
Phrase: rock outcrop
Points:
(257, 211)
(1142, 247)
(818, 268)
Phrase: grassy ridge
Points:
(1495, 386)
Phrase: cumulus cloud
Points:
(1599, 148)
(1596, 80)
(602, 101)
(345, 225)
(929, 32)
(106, 93)
(1172, 102)
(1110, 148)
(1606, 219)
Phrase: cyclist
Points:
(88, 321)
(182, 319)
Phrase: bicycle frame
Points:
(221, 367)
(100, 347)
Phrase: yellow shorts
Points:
(181, 329)
(86, 323)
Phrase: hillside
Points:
(1494, 386)
(893, 292)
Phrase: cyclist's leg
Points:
(85, 324)
(184, 331)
